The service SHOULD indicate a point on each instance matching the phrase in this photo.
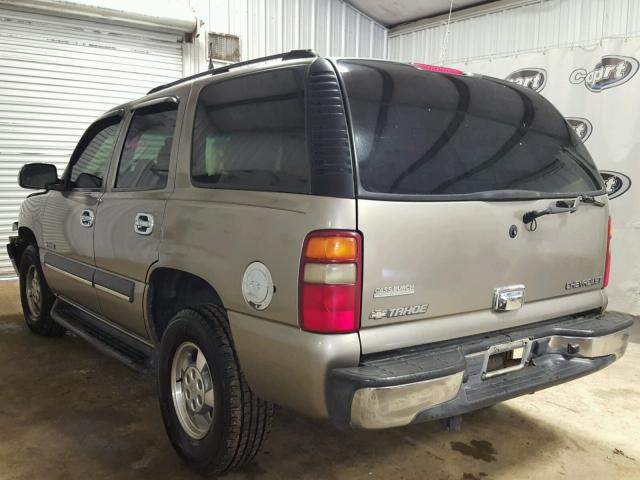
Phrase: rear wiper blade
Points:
(591, 200)
(559, 207)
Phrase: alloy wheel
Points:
(33, 291)
(192, 390)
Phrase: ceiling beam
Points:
(485, 8)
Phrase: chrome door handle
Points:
(87, 218)
(143, 224)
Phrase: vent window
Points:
(224, 47)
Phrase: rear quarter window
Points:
(425, 133)
(249, 133)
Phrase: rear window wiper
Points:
(591, 200)
(561, 206)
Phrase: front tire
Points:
(35, 296)
(213, 419)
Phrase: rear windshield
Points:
(419, 132)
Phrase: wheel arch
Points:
(171, 290)
(26, 235)
(19, 243)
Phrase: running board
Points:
(109, 340)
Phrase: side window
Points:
(90, 165)
(249, 133)
(144, 162)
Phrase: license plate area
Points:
(506, 358)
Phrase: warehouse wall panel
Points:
(331, 27)
(56, 76)
(526, 27)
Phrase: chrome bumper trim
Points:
(590, 347)
(387, 407)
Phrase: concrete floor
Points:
(67, 412)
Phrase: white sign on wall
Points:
(598, 90)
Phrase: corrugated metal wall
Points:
(57, 75)
(331, 27)
(536, 26)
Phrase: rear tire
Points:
(213, 419)
(35, 296)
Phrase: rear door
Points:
(130, 216)
(447, 167)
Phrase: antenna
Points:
(443, 50)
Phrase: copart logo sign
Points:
(611, 71)
(533, 78)
(615, 183)
(581, 126)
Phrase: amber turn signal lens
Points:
(332, 248)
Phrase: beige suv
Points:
(367, 241)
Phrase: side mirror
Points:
(38, 176)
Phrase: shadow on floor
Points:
(635, 330)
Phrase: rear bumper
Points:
(437, 381)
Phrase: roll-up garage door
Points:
(56, 76)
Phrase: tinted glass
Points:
(418, 132)
(91, 164)
(250, 133)
(144, 162)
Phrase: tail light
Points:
(607, 262)
(435, 68)
(331, 281)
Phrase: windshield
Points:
(420, 132)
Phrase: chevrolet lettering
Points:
(587, 282)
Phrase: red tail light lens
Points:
(435, 68)
(607, 262)
(331, 282)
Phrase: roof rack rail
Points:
(290, 55)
